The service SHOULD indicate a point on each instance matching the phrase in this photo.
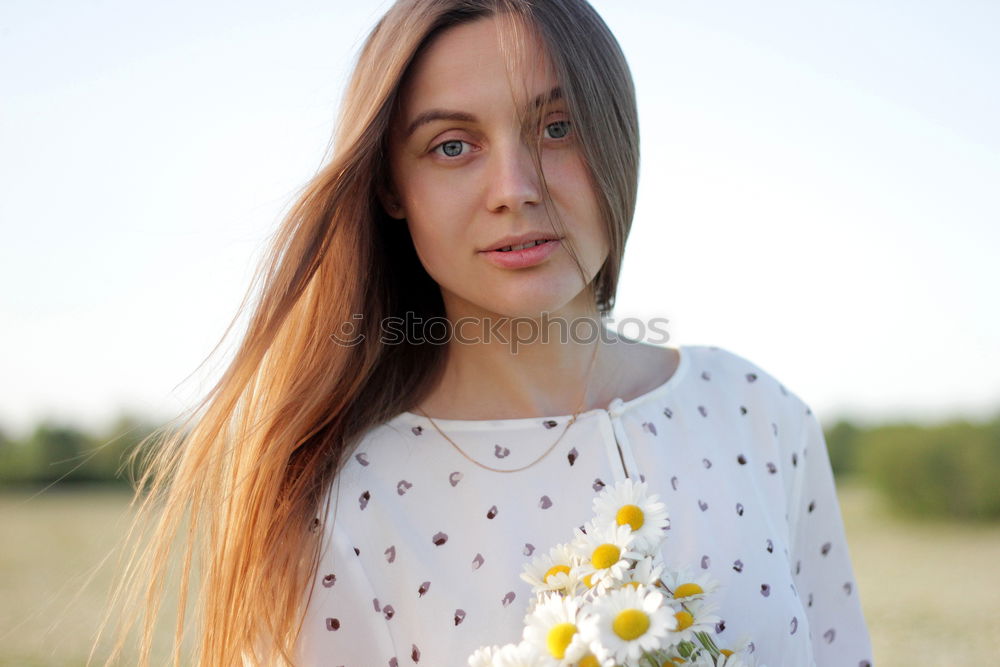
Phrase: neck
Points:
(517, 372)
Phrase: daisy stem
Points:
(707, 642)
(651, 659)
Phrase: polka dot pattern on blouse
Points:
(423, 550)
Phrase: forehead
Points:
(465, 66)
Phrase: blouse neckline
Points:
(683, 352)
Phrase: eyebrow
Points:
(432, 115)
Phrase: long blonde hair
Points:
(240, 482)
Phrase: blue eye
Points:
(562, 129)
(450, 148)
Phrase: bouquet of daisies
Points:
(605, 599)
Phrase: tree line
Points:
(949, 469)
(64, 454)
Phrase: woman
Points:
(396, 436)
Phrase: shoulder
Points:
(750, 384)
(731, 364)
(735, 366)
(375, 455)
(370, 474)
(773, 423)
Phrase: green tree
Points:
(56, 451)
(842, 443)
(948, 470)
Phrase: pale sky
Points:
(819, 190)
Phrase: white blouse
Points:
(421, 563)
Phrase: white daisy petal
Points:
(693, 616)
(552, 629)
(605, 555)
(646, 572)
(518, 655)
(483, 657)
(741, 655)
(683, 584)
(552, 571)
(630, 504)
(627, 621)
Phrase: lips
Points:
(523, 246)
(514, 241)
(519, 259)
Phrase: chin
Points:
(521, 299)
(526, 307)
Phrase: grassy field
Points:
(53, 585)
(931, 591)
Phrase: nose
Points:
(513, 183)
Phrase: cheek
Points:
(440, 209)
(438, 236)
(567, 173)
(431, 248)
(579, 199)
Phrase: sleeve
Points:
(343, 625)
(824, 577)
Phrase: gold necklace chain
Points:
(569, 423)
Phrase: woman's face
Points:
(466, 182)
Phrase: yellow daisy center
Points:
(559, 638)
(555, 569)
(605, 556)
(630, 514)
(587, 582)
(726, 652)
(685, 590)
(684, 620)
(630, 624)
(588, 661)
(674, 661)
